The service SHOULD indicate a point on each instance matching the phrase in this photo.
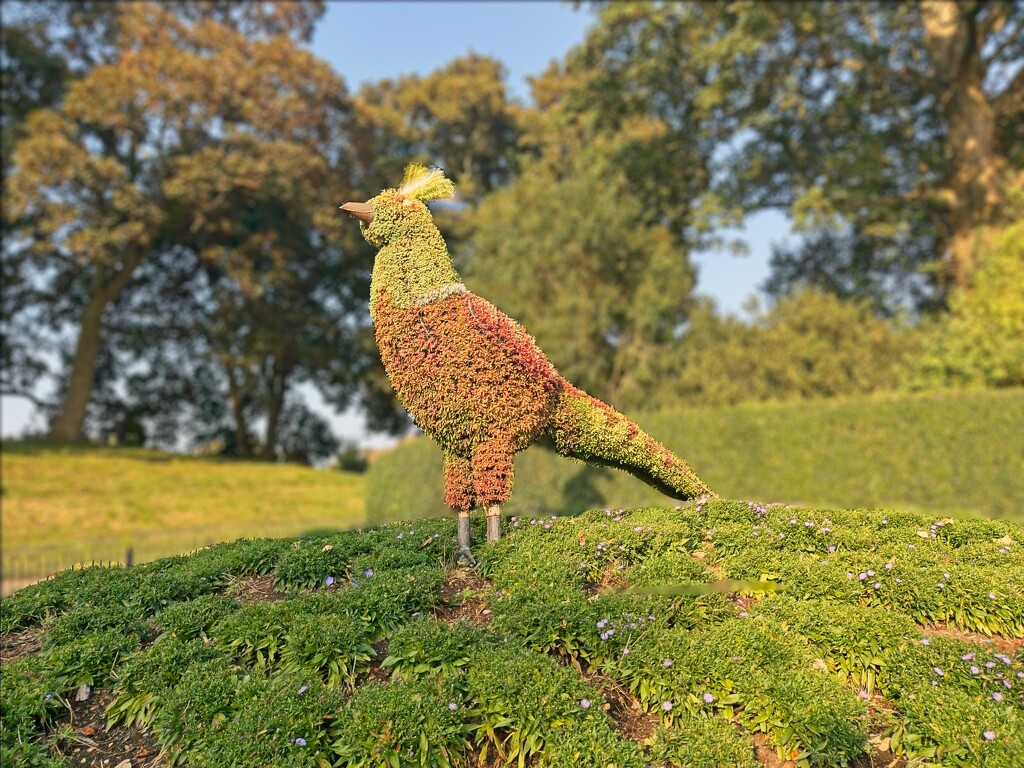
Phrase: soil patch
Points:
(14, 645)
(624, 709)
(463, 598)
(93, 745)
(1008, 645)
(254, 589)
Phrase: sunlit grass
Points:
(66, 504)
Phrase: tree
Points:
(458, 117)
(195, 122)
(893, 125)
(809, 344)
(571, 257)
(981, 341)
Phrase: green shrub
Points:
(753, 669)
(333, 648)
(945, 726)
(702, 742)
(254, 635)
(142, 680)
(313, 563)
(204, 697)
(30, 699)
(855, 642)
(71, 626)
(427, 649)
(521, 699)
(193, 618)
(280, 721)
(593, 745)
(402, 724)
(386, 600)
(90, 659)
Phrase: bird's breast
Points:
(465, 371)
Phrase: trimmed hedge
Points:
(948, 452)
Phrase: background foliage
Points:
(929, 452)
(172, 277)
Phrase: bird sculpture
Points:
(472, 378)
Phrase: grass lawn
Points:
(66, 504)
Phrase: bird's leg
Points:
(493, 523)
(458, 494)
(465, 553)
(492, 481)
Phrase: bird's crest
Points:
(423, 184)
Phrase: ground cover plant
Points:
(705, 634)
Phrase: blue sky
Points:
(368, 41)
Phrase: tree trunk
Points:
(975, 187)
(277, 385)
(243, 446)
(67, 427)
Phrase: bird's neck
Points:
(413, 270)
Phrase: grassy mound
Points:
(705, 635)
(937, 453)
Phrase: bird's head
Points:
(397, 212)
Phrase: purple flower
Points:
(997, 696)
(988, 735)
(967, 657)
(991, 596)
(871, 573)
(708, 698)
(49, 696)
(368, 572)
(401, 536)
(585, 703)
(300, 741)
(302, 690)
(975, 670)
(831, 547)
(990, 665)
(925, 641)
(666, 662)
(888, 566)
(792, 521)
(329, 581)
(606, 635)
(861, 576)
(452, 706)
(885, 522)
(940, 585)
(809, 524)
(667, 706)
(601, 623)
(625, 651)
(877, 585)
(863, 693)
(938, 671)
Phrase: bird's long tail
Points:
(585, 428)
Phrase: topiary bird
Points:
(473, 379)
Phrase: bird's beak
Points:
(361, 211)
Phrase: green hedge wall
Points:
(940, 452)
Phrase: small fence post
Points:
(128, 556)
